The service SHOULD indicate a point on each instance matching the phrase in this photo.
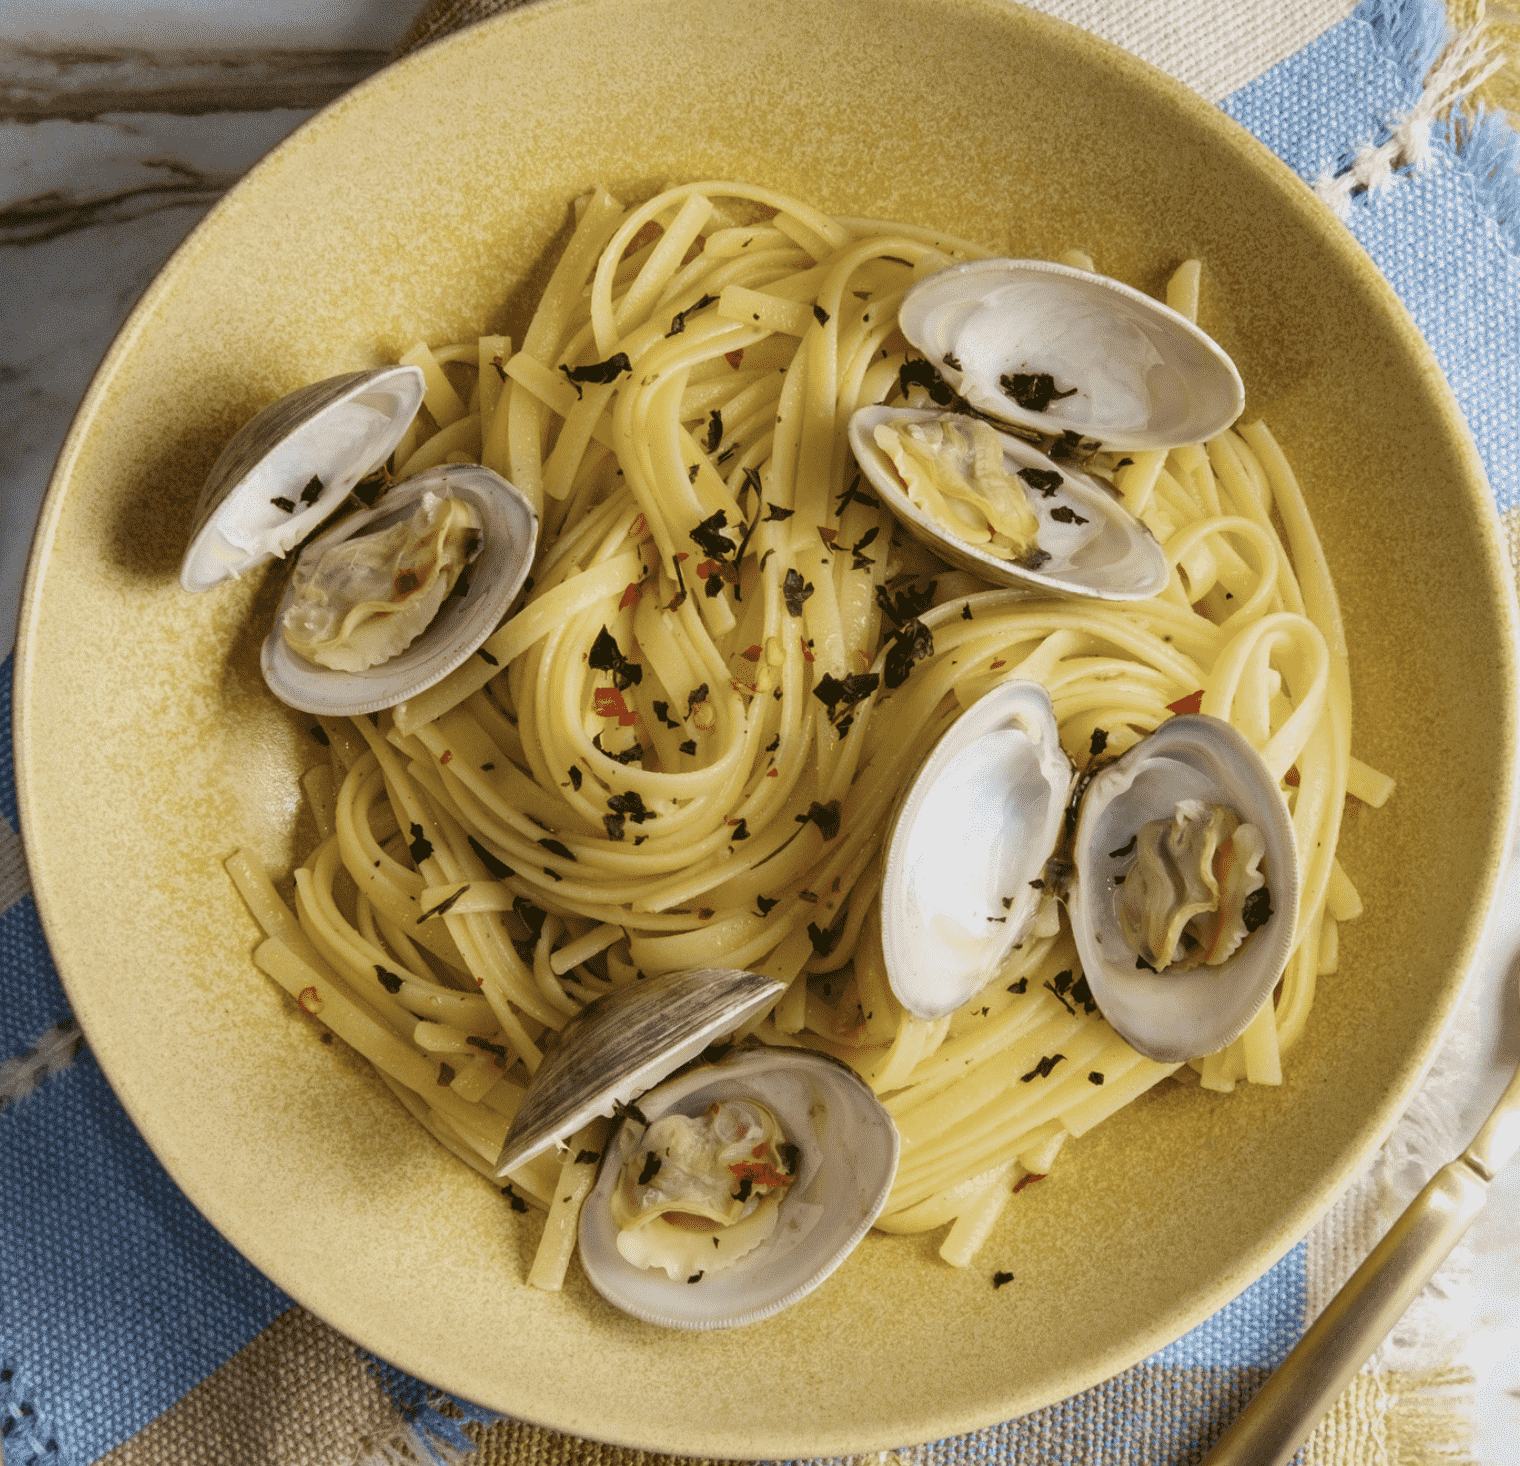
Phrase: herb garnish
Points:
(909, 646)
(1033, 391)
(1257, 909)
(825, 816)
(607, 656)
(678, 321)
(1042, 1069)
(794, 591)
(599, 373)
(922, 374)
(839, 695)
(498, 868)
(388, 980)
(447, 904)
(906, 604)
(1043, 480)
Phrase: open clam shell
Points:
(1173, 1016)
(848, 1149)
(1138, 374)
(1096, 547)
(976, 826)
(625, 1042)
(285, 471)
(465, 619)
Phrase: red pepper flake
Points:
(446, 755)
(865, 659)
(1291, 778)
(759, 1173)
(608, 703)
(631, 595)
(638, 527)
(999, 663)
(733, 358)
(807, 650)
(1025, 1180)
(310, 1001)
(1189, 704)
(827, 535)
(751, 654)
(704, 913)
(772, 772)
(404, 584)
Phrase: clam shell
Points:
(849, 1149)
(1144, 376)
(337, 431)
(1175, 1016)
(624, 1042)
(976, 826)
(463, 621)
(1112, 556)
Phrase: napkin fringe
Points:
(53, 1053)
(1428, 1417)
(1409, 32)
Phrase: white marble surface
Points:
(121, 124)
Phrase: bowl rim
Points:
(1328, 235)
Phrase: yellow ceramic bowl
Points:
(425, 205)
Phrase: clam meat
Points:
(1191, 816)
(393, 598)
(995, 505)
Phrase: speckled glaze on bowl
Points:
(424, 205)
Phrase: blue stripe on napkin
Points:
(116, 1295)
(1446, 234)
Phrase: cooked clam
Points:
(956, 482)
(836, 1164)
(1183, 893)
(393, 598)
(1053, 350)
(285, 471)
(729, 1190)
(976, 826)
(1186, 889)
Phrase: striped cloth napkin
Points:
(131, 1334)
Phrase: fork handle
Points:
(1300, 1392)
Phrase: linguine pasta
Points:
(683, 747)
